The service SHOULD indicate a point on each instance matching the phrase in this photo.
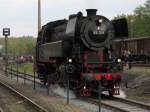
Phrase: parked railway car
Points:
(79, 49)
(138, 47)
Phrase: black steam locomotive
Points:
(80, 49)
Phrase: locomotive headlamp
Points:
(100, 20)
(70, 60)
(119, 60)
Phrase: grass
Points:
(138, 79)
(25, 67)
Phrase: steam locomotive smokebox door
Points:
(54, 50)
(71, 26)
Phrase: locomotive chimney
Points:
(91, 12)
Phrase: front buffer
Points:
(110, 82)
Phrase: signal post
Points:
(6, 33)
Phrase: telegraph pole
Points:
(39, 15)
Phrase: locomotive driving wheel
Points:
(54, 78)
(110, 93)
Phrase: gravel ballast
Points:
(52, 103)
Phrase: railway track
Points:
(141, 65)
(116, 104)
(1, 110)
(24, 100)
(120, 105)
(24, 76)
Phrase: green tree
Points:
(142, 21)
(138, 23)
(19, 46)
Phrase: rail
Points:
(141, 65)
(40, 108)
(119, 104)
(24, 76)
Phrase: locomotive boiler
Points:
(79, 49)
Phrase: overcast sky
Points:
(21, 15)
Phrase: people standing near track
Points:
(127, 59)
